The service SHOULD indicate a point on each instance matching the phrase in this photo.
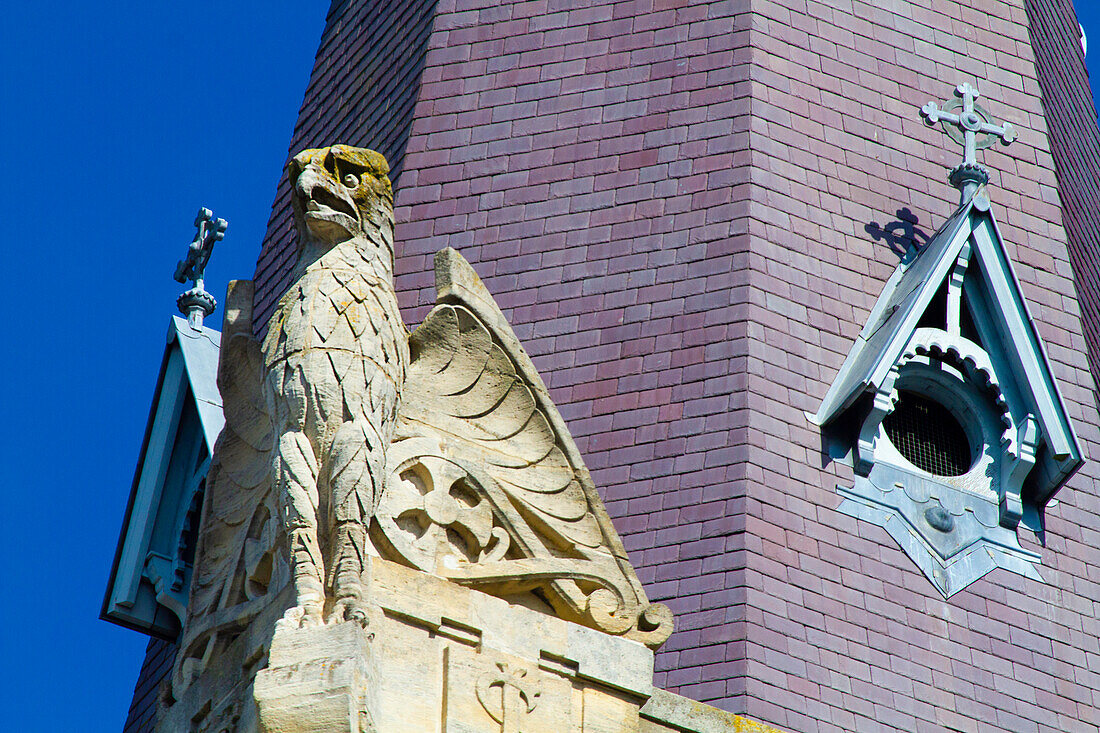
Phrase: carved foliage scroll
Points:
(480, 489)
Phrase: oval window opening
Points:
(928, 435)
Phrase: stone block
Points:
(318, 680)
(438, 657)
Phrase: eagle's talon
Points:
(304, 616)
(311, 620)
(349, 609)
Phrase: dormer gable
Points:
(950, 408)
(150, 577)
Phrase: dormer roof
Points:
(1001, 315)
(147, 590)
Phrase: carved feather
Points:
(237, 535)
(242, 456)
(472, 391)
(480, 400)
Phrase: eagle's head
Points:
(341, 193)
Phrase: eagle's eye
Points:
(351, 181)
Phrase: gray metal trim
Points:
(1018, 360)
(1029, 347)
(200, 354)
(949, 575)
(904, 298)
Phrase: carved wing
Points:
(485, 484)
(236, 562)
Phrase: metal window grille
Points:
(928, 435)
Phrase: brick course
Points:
(680, 207)
(1075, 145)
(159, 657)
(709, 238)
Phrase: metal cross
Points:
(196, 302)
(964, 121)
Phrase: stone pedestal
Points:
(318, 680)
(436, 657)
(456, 660)
(440, 658)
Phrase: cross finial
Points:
(964, 121)
(196, 303)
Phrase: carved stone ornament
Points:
(345, 436)
(507, 696)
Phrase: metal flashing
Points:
(1065, 450)
(894, 317)
(951, 571)
(200, 355)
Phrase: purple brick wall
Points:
(159, 657)
(841, 632)
(592, 161)
(1075, 144)
(678, 205)
(675, 212)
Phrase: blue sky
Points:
(1088, 14)
(120, 120)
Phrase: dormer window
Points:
(928, 435)
(151, 576)
(948, 411)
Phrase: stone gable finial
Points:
(196, 303)
(964, 120)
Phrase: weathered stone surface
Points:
(317, 680)
(345, 438)
(218, 694)
(440, 657)
(435, 656)
(454, 456)
(665, 708)
(485, 466)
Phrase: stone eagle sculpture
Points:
(346, 436)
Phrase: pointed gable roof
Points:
(140, 594)
(909, 293)
(905, 297)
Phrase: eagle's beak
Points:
(325, 207)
